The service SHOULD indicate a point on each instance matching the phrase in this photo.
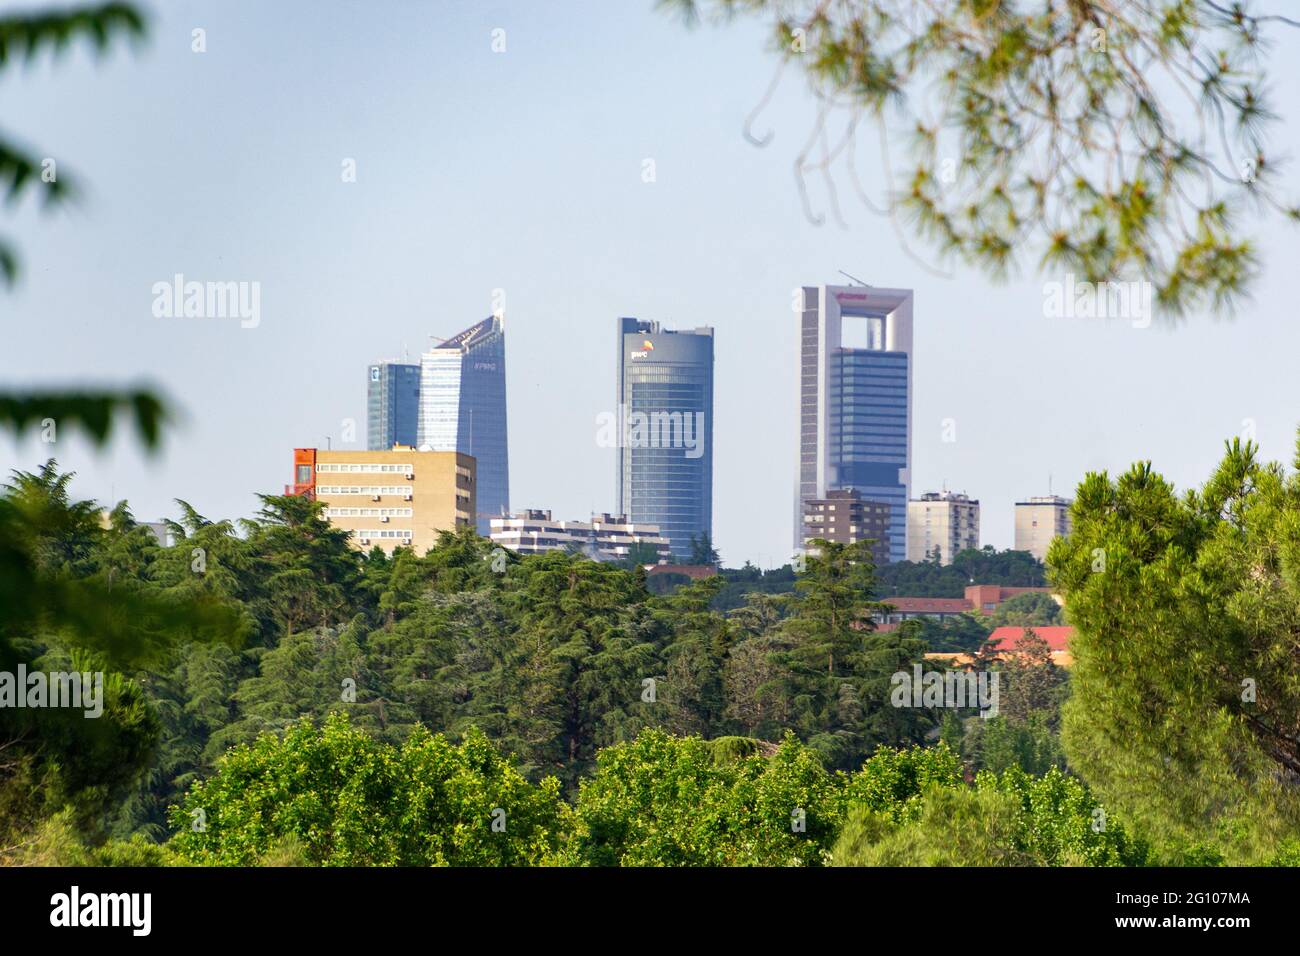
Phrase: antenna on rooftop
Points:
(853, 278)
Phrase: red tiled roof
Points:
(1057, 638)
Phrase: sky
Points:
(522, 171)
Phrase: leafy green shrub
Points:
(667, 801)
(336, 796)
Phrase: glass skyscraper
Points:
(463, 408)
(392, 405)
(855, 400)
(665, 409)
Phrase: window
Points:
(304, 474)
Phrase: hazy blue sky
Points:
(523, 171)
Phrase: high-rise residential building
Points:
(941, 520)
(389, 499)
(463, 408)
(603, 538)
(843, 517)
(855, 400)
(1039, 520)
(665, 414)
(392, 405)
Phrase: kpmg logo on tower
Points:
(624, 429)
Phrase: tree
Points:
(956, 828)
(341, 798)
(703, 551)
(641, 553)
(1185, 704)
(682, 801)
(64, 608)
(835, 670)
(1054, 129)
(912, 808)
(1033, 681)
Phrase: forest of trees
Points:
(547, 663)
(276, 696)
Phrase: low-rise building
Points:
(1006, 641)
(979, 599)
(389, 499)
(604, 538)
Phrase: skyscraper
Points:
(665, 412)
(392, 405)
(855, 400)
(463, 408)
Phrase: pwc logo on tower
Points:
(646, 348)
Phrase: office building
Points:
(665, 411)
(463, 409)
(941, 521)
(392, 405)
(389, 499)
(1039, 520)
(844, 517)
(855, 400)
(603, 538)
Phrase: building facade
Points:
(665, 430)
(979, 599)
(463, 409)
(603, 538)
(944, 521)
(855, 400)
(845, 518)
(392, 405)
(389, 499)
(1039, 520)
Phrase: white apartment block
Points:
(603, 538)
(943, 520)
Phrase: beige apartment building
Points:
(1039, 520)
(943, 520)
(389, 499)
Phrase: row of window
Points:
(384, 533)
(368, 512)
(364, 490)
(367, 467)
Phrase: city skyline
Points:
(440, 217)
